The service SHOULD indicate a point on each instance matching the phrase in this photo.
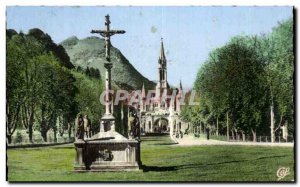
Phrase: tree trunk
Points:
(200, 127)
(28, 118)
(254, 135)
(237, 135)
(30, 132)
(232, 133)
(272, 124)
(69, 130)
(217, 126)
(44, 135)
(244, 136)
(43, 125)
(11, 121)
(8, 136)
(55, 137)
(227, 123)
(44, 131)
(287, 131)
(30, 125)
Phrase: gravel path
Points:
(190, 141)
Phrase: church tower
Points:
(162, 114)
(162, 68)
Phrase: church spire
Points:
(162, 51)
(180, 85)
(143, 91)
(162, 67)
(180, 90)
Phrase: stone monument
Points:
(107, 150)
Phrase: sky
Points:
(189, 33)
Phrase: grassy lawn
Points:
(163, 162)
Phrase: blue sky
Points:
(189, 33)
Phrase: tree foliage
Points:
(40, 85)
(88, 97)
(244, 78)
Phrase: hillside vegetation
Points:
(44, 91)
(90, 52)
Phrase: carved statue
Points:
(86, 126)
(133, 123)
(76, 126)
(79, 123)
(135, 128)
(130, 125)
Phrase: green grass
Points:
(163, 162)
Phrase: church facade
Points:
(161, 114)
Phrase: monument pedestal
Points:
(107, 155)
(107, 151)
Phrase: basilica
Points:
(161, 114)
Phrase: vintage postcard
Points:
(150, 94)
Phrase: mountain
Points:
(90, 52)
(49, 45)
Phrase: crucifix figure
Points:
(107, 34)
(108, 65)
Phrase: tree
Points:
(56, 93)
(245, 79)
(88, 72)
(50, 46)
(26, 57)
(88, 96)
(231, 81)
(279, 56)
(79, 69)
(14, 84)
(30, 47)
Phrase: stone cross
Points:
(107, 34)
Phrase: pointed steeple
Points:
(162, 68)
(180, 85)
(143, 92)
(162, 51)
(179, 95)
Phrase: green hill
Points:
(90, 52)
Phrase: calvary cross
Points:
(107, 34)
(108, 96)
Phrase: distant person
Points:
(207, 132)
